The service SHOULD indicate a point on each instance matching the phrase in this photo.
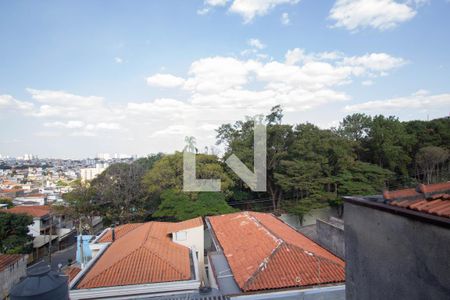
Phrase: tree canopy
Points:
(14, 238)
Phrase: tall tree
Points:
(81, 206)
(14, 238)
(430, 160)
(238, 139)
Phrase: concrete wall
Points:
(11, 275)
(331, 236)
(389, 256)
(194, 239)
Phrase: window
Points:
(181, 235)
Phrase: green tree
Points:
(238, 139)
(179, 206)
(430, 160)
(81, 206)
(167, 173)
(14, 238)
(6, 201)
(389, 144)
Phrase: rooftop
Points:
(432, 198)
(8, 259)
(265, 253)
(428, 203)
(36, 211)
(141, 253)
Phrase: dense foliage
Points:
(14, 238)
(307, 168)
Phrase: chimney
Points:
(113, 233)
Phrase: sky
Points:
(79, 78)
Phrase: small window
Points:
(181, 236)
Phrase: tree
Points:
(14, 238)
(167, 173)
(430, 161)
(238, 139)
(304, 207)
(389, 144)
(355, 127)
(6, 201)
(81, 206)
(179, 206)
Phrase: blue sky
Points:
(84, 77)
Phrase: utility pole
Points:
(81, 245)
(50, 241)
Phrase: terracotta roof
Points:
(119, 231)
(141, 253)
(36, 211)
(265, 253)
(72, 271)
(432, 199)
(8, 259)
(174, 227)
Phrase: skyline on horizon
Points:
(77, 79)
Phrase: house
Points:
(11, 193)
(398, 244)
(143, 259)
(46, 228)
(12, 268)
(259, 255)
(34, 198)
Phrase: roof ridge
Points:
(315, 254)
(263, 265)
(278, 239)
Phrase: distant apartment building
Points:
(398, 244)
(257, 256)
(12, 268)
(152, 259)
(88, 174)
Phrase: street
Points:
(58, 257)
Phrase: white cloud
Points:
(165, 80)
(374, 62)
(216, 2)
(248, 9)
(419, 100)
(303, 81)
(9, 102)
(69, 124)
(118, 60)
(378, 14)
(367, 82)
(215, 90)
(255, 43)
(285, 19)
(203, 11)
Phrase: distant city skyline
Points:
(82, 78)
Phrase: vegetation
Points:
(307, 168)
(6, 201)
(14, 238)
(180, 206)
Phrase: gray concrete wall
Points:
(390, 256)
(331, 236)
